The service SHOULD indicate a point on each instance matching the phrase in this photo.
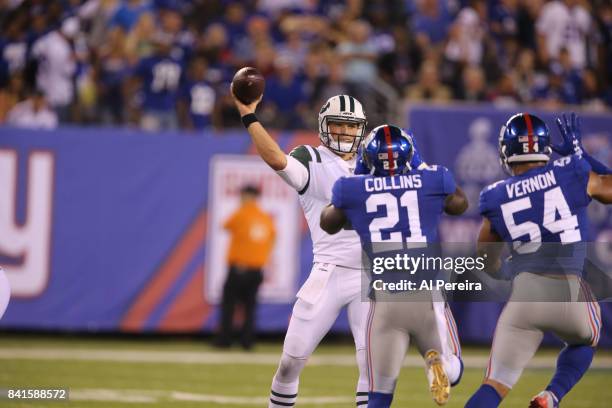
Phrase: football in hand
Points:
(248, 85)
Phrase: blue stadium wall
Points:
(129, 215)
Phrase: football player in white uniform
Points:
(335, 278)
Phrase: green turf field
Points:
(111, 373)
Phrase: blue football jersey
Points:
(161, 77)
(543, 205)
(397, 209)
(200, 98)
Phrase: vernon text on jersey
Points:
(531, 184)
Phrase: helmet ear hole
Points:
(503, 159)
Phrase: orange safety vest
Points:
(252, 236)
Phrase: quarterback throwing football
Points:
(334, 280)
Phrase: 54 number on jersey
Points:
(554, 202)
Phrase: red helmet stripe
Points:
(387, 130)
(529, 131)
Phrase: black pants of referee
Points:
(240, 288)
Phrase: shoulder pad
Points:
(305, 154)
(563, 161)
(301, 154)
(491, 186)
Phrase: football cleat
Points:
(545, 399)
(439, 386)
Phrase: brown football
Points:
(248, 85)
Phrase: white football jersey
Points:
(565, 27)
(314, 187)
(56, 68)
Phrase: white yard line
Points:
(156, 396)
(261, 401)
(211, 358)
(101, 394)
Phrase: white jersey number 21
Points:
(408, 200)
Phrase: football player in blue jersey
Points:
(399, 201)
(541, 206)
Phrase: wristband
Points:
(597, 166)
(248, 119)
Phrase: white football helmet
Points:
(341, 108)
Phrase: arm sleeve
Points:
(581, 166)
(483, 207)
(448, 181)
(337, 199)
(581, 170)
(594, 165)
(297, 173)
(482, 203)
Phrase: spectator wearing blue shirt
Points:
(197, 97)
(504, 29)
(503, 16)
(13, 48)
(213, 44)
(294, 48)
(431, 21)
(160, 77)
(112, 68)
(592, 97)
(234, 21)
(572, 77)
(285, 95)
(258, 37)
(564, 83)
(171, 24)
(129, 12)
(555, 92)
(359, 53)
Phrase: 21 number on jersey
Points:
(409, 201)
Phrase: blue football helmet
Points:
(387, 151)
(524, 138)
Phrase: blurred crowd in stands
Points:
(167, 64)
